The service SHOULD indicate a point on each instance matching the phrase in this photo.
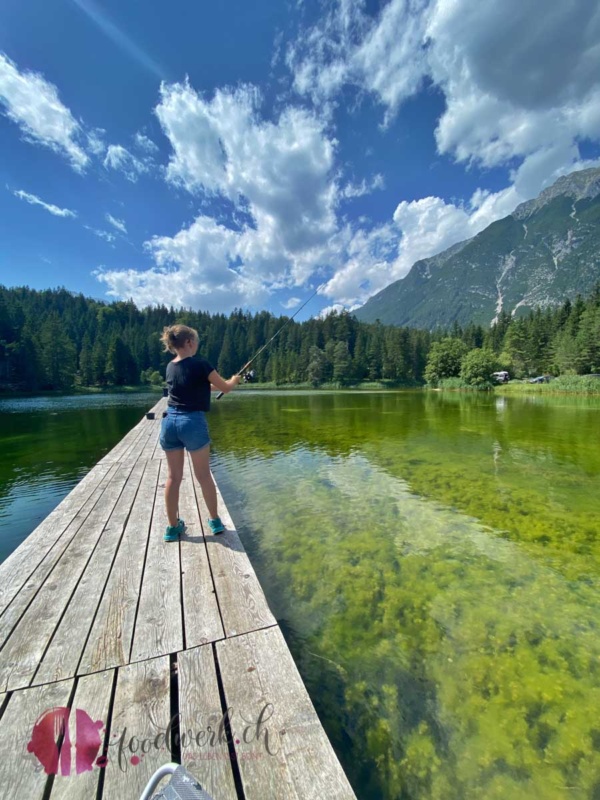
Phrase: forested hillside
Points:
(54, 339)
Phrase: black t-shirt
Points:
(189, 387)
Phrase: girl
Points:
(190, 382)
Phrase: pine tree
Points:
(58, 354)
(341, 363)
(86, 372)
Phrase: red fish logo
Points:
(52, 728)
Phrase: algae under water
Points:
(433, 561)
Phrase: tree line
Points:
(56, 339)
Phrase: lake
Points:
(432, 559)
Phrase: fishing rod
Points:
(258, 352)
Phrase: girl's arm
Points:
(219, 384)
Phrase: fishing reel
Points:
(249, 376)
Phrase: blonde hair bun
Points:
(174, 337)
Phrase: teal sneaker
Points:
(215, 525)
(173, 532)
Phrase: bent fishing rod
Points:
(258, 352)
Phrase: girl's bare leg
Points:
(200, 462)
(175, 463)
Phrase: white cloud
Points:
(119, 224)
(35, 201)
(34, 105)
(385, 56)
(291, 302)
(352, 190)
(95, 141)
(333, 309)
(144, 143)
(108, 237)
(276, 177)
(281, 172)
(120, 159)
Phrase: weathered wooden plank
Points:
(289, 754)
(92, 696)
(201, 616)
(141, 712)
(158, 625)
(204, 752)
(64, 651)
(21, 773)
(241, 599)
(109, 644)
(150, 444)
(22, 653)
(22, 562)
(155, 431)
(126, 449)
(135, 453)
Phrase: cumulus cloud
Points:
(291, 302)
(276, 176)
(50, 207)
(33, 104)
(119, 224)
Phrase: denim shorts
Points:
(181, 429)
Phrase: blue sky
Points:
(243, 154)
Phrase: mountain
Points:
(548, 249)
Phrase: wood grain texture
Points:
(21, 774)
(92, 696)
(109, 644)
(159, 626)
(141, 713)
(241, 599)
(62, 657)
(201, 614)
(292, 756)
(204, 752)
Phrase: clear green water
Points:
(48, 444)
(433, 561)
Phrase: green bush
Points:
(444, 360)
(477, 366)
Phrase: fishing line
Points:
(258, 352)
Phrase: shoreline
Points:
(511, 389)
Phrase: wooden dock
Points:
(154, 651)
